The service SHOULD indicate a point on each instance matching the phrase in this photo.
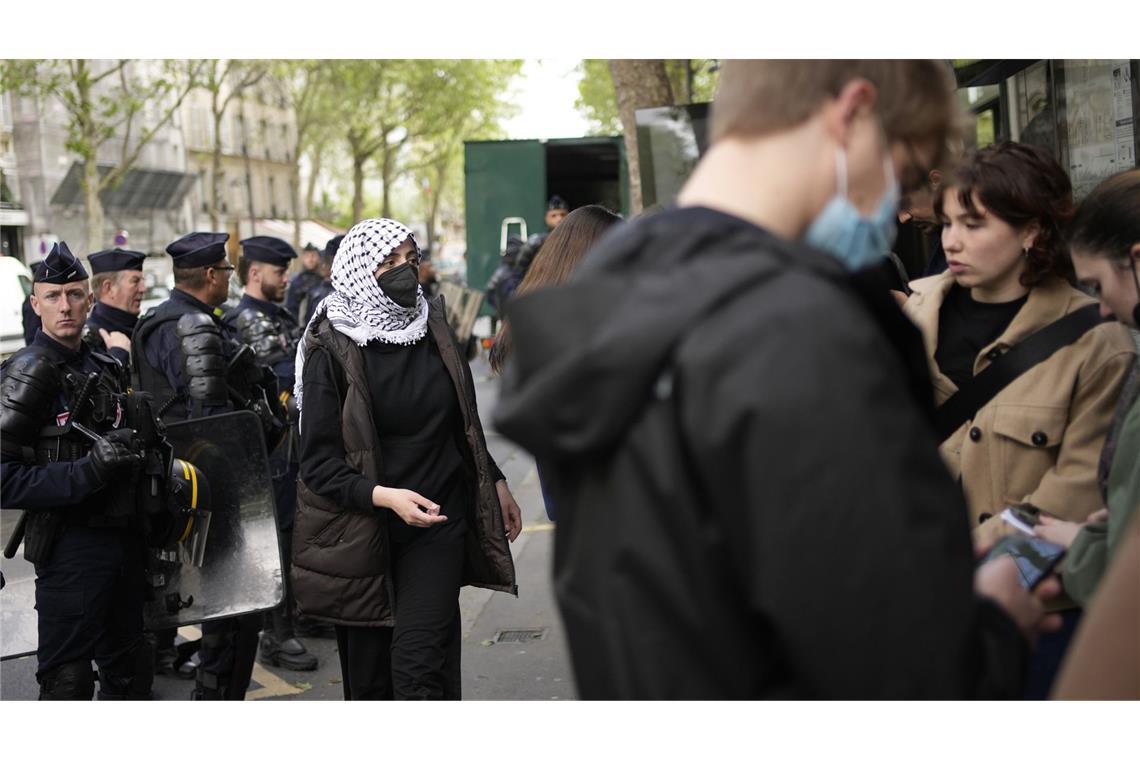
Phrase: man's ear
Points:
(935, 179)
(840, 114)
(35, 305)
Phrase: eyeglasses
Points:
(223, 269)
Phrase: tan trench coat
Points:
(1039, 440)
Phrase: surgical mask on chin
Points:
(840, 229)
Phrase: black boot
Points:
(129, 676)
(288, 653)
(72, 680)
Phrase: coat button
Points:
(975, 434)
(994, 354)
(1039, 438)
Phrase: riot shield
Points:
(18, 597)
(239, 553)
(241, 564)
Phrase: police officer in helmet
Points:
(272, 332)
(87, 549)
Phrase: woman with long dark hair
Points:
(399, 502)
(559, 256)
(1037, 440)
(556, 260)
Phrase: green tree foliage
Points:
(129, 100)
(400, 115)
(305, 86)
(472, 109)
(597, 100)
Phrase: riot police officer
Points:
(301, 286)
(272, 333)
(63, 443)
(118, 287)
(187, 357)
(325, 288)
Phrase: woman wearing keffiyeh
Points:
(399, 501)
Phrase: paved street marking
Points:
(540, 528)
(271, 685)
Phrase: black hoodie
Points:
(751, 501)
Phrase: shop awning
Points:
(140, 189)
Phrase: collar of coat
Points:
(1048, 301)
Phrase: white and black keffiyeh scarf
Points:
(357, 308)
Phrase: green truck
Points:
(509, 181)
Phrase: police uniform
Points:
(183, 351)
(107, 317)
(87, 549)
(273, 333)
(299, 295)
(325, 288)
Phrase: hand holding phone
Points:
(1035, 557)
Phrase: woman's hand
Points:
(512, 517)
(413, 509)
(1060, 532)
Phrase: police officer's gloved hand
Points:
(112, 452)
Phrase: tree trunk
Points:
(436, 194)
(295, 199)
(217, 190)
(357, 188)
(638, 84)
(385, 176)
(94, 205)
(311, 190)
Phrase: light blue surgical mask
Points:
(840, 229)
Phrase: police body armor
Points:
(217, 372)
(272, 341)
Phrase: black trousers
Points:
(419, 657)
(229, 648)
(89, 600)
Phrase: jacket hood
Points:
(588, 354)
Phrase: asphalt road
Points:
(513, 648)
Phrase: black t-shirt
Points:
(965, 327)
(418, 423)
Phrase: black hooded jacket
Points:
(751, 501)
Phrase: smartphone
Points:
(1035, 557)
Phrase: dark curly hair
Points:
(1019, 184)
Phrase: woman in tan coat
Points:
(1039, 439)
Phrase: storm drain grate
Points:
(520, 635)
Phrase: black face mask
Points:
(400, 284)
